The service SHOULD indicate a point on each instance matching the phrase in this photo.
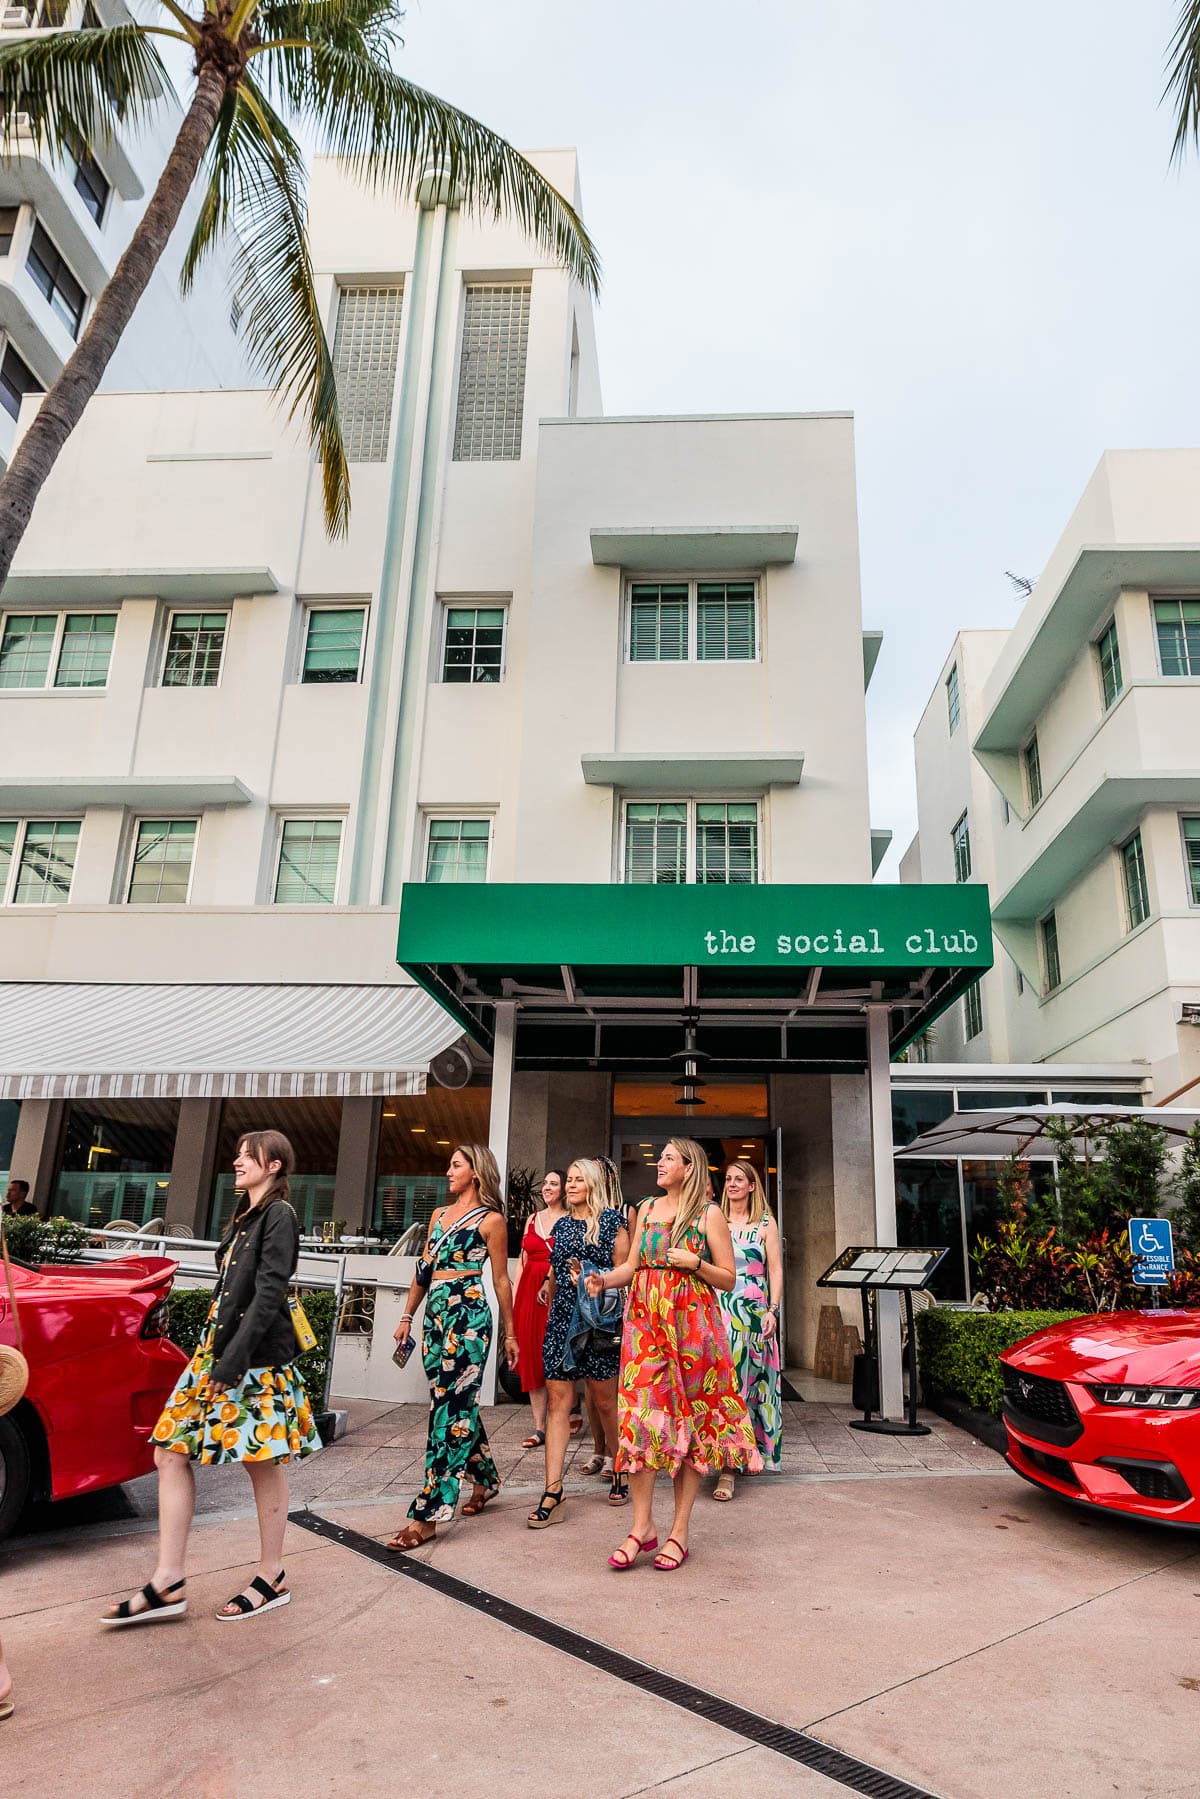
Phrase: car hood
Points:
(1133, 1348)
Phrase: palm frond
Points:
(219, 199)
(262, 195)
(392, 132)
(348, 23)
(1183, 78)
(69, 84)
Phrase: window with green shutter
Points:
(725, 621)
(474, 648)
(1108, 652)
(457, 849)
(658, 622)
(333, 650)
(972, 1011)
(1033, 772)
(162, 862)
(1177, 626)
(86, 649)
(26, 648)
(953, 704)
(1133, 869)
(672, 841)
(1051, 967)
(656, 842)
(1191, 850)
(727, 842)
(309, 851)
(685, 621)
(195, 646)
(55, 649)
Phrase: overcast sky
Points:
(957, 220)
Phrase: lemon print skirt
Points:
(265, 1418)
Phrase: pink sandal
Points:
(620, 1561)
(665, 1564)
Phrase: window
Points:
(1133, 870)
(671, 841)
(162, 862)
(76, 646)
(960, 839)
(8, 227)
(1177, 624)
(972, 1012)
(90, 181)
(1108, 651)
(365, 347)
(1191, 850)
(1033, 772)
(491, 373)
(16, 380)
(37, 860)
(457, 849)
(1051, 967)
(683, 621)
(195, 646)
(333, 651)
(952, 701)
(309, 851)
(474, 647)
(53, 278)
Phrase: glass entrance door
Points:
(637, 1142)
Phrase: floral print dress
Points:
(454, 1349)
(755, 1357)
(679, 1399)
(570, 1240)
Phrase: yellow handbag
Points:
(306, 1336)
(14, 1369)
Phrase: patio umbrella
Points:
(996, 1134)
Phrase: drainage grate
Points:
(796, 1745)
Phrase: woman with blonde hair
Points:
(591, 1232)
(751, 1310)
(679, 1406)
(457, 1338)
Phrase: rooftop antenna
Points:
(1022, 585)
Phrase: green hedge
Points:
(37, 1241)
(189, 1309)
(959, 1351)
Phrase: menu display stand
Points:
(890, 1270)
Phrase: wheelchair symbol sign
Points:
(1153, 1251)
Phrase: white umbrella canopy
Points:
(995, 1134)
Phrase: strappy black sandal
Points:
(269, 1597)
(157, 1609)
(549, 1508)
(618, 1492)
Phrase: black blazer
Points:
(254, 1326)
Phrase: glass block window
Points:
(972, 1011)
(309, 851)
(16, 380)
(26, 648)
(366, 344)
(47, 862)
(195, 646)
(725, 621)
(1133, 874)
(491, 373)
(953, 706)
(1033, 772)
(727, 842)
(1191, 850)
(1108, 652)
(1177, 625)
(658, 622)
(1051, 966)
(85, 649)
(656, 841)
(8, 227)
(960, 840)
(162, 862)
(457, 849)
(474, 647)
(333, 648)
(52, 277)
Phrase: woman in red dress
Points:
(530, 1299)
(679, 1403)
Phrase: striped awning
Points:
(69, 1040)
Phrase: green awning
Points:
(762, 976)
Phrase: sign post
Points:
(1153, 1252)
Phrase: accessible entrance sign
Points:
(1153, 1251)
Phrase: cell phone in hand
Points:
(403, 1350)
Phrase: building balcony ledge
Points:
(52, 794)
(191, 585)
(692, 549)
(692, 771)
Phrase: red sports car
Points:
(1106, 1411)
(101, 1367)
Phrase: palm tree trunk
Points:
(63, 406)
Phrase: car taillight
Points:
(157, 1322)
(1150, 1399)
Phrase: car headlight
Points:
(1150, 1399)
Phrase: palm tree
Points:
(325, 65)
(1183, 77)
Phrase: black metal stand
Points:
(889, 1427)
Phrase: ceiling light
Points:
(389, 1114)
(418, 1130)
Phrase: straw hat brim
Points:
(14, 1377)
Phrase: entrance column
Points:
(354, 1177)
(35, 1149)
(194, 1164)
(887, 1313)
(502, 1073)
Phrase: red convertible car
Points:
(101, 1367)
(1106, 1411)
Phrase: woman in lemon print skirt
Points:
(241, 1398)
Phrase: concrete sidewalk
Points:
(947, 1624)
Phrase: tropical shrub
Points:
(43, 1240)
(960, 1351)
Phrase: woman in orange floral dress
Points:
(679, 1402)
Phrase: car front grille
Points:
(1039, 1406)
(1053, 1465)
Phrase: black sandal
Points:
(269, 1597)
(156, 1609)
(549, 1508)
(618, 1492)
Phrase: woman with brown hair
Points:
(679, 1408)
(751, 1310)
(241, 1398)
(531, 1299)
(457, 1338)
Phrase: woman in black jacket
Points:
(241, 1398)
